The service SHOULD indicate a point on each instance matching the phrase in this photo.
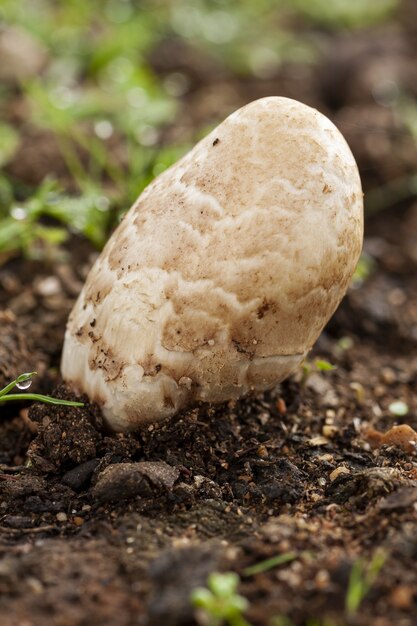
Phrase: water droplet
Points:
(19, 213)
(24, 384)
(103, 129)
(147, 136)
(102, 203)
(63, 97)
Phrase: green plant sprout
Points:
(318, 365)
(267, 564)
(365, 268)
(323, 366)
(361, 579)
(219, 603)
(23, 382)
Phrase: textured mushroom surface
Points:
(222, 275)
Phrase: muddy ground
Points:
(117, 530)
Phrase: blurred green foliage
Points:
(105, 106)
(346, 13)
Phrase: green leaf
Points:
(202, 598)
(324, 366)
(223, 585)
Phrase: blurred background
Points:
(98, 97)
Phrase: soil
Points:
(116, 530)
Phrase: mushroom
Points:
(222, 275)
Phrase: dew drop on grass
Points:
(24, 384)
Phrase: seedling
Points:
(364, 269)
(318, 365)
(361, 579)
(23, 382)
(219, 603)
(267, 564)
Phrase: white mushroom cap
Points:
(222, 275)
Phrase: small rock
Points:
(402, 597)
(360, 393)
(126, 480)
(338, 471)
(159, 473)
(77, 477)
(47, 286)
(329, 430)
(402, 436)
(281, 406)
(61, 516)
(318, 441)
(34, 585)
(388, 375)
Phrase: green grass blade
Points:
(268, 564)
(39, 398)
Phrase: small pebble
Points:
(398, 408)
(262, 451)
(402, 597)
(322, 579)
(359, 392)
(338, 472)
(318, 441)
(329, 430)
(61, 516)
(49, 286)
(281, 406)
(388, 375)
(402, 436)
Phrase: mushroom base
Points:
(134, 399)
